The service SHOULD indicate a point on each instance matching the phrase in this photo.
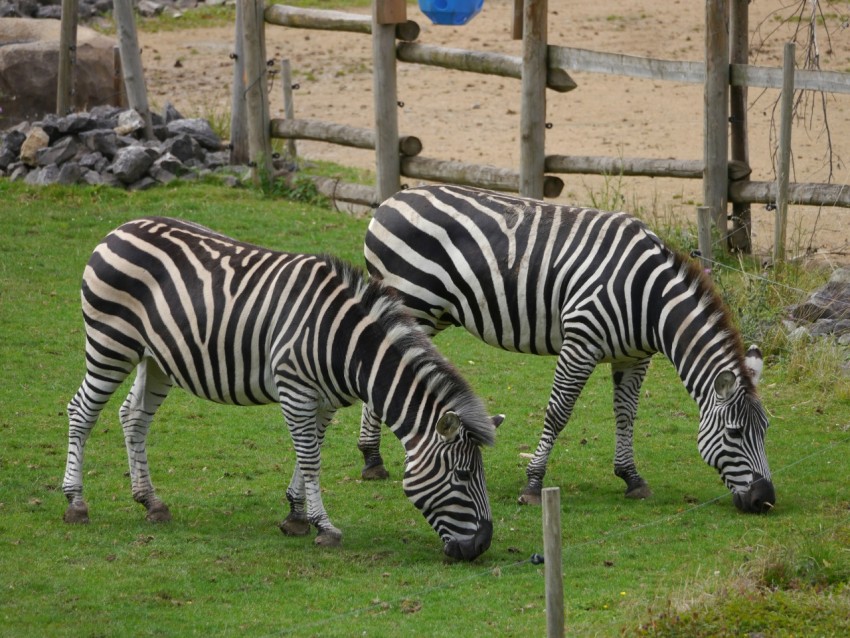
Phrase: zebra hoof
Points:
(529, 498)
(77, 513)
(374, 473)
(639, 493)
(295, 526)
(158, 513)
(329, 538)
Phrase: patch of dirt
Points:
(475, 118)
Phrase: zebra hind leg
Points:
(296, 523)
(149, 390)
(97, 387)
(369, 445)
(628, 379)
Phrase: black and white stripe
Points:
(587, 286)
(239, 324)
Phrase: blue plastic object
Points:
(455, 12)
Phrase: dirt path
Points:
(475, 118)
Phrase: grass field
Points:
(682, 563)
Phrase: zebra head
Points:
(444, 479)
(731, 439)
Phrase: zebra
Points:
(590, 287)
(240, 324)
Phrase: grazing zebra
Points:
(590, 287)
(239, 324)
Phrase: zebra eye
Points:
(734, 433)
(463, 475)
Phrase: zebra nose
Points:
(472, 547)
(758, 499)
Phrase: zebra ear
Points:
(724, 384)
(754, 362)
(497, 420)
(448, 426)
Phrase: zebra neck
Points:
(396, 387)
(695, 333)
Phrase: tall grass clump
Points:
(798, 589)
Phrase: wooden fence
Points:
(725, 75)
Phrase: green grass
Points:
(684, 563)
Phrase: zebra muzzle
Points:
(760, 498)
(472, 547)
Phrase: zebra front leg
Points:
(307, 428)
(149, 390)
(574, 367)
(628, 378)
(369, 445)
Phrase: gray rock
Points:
(94, 162)
(69, 173)
(149, 8)
(18, 173)
(58, 153)
(184, 147)
(131, 163)
(143, 184)
(169, 113)
(43, 176)
(10, 149)
(198, 129)
(101, 141)
(129, 122)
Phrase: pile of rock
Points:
(826, 312)
(92, 8)
(107, 146)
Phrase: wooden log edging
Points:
(328, 20)
(344, 135)
(479, 175)
(487, 63)
(636, 166)
(349, 192)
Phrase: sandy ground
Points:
(475, 118)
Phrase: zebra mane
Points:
(442, 378)
(697, 280)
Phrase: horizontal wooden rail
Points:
(686, 72)
(804, 79)
(632, 66)
(800, 194)
(636, 166)
(489, 63)
(344, 135)
(480, 175)
(327, 20)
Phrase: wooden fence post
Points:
(67, 57)
(238, 117)
(740, 238)
(533, 118)
(385, 90)
(716, 104)
(552, 562)
(131, 62)
(256, 90)
(784, 155)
